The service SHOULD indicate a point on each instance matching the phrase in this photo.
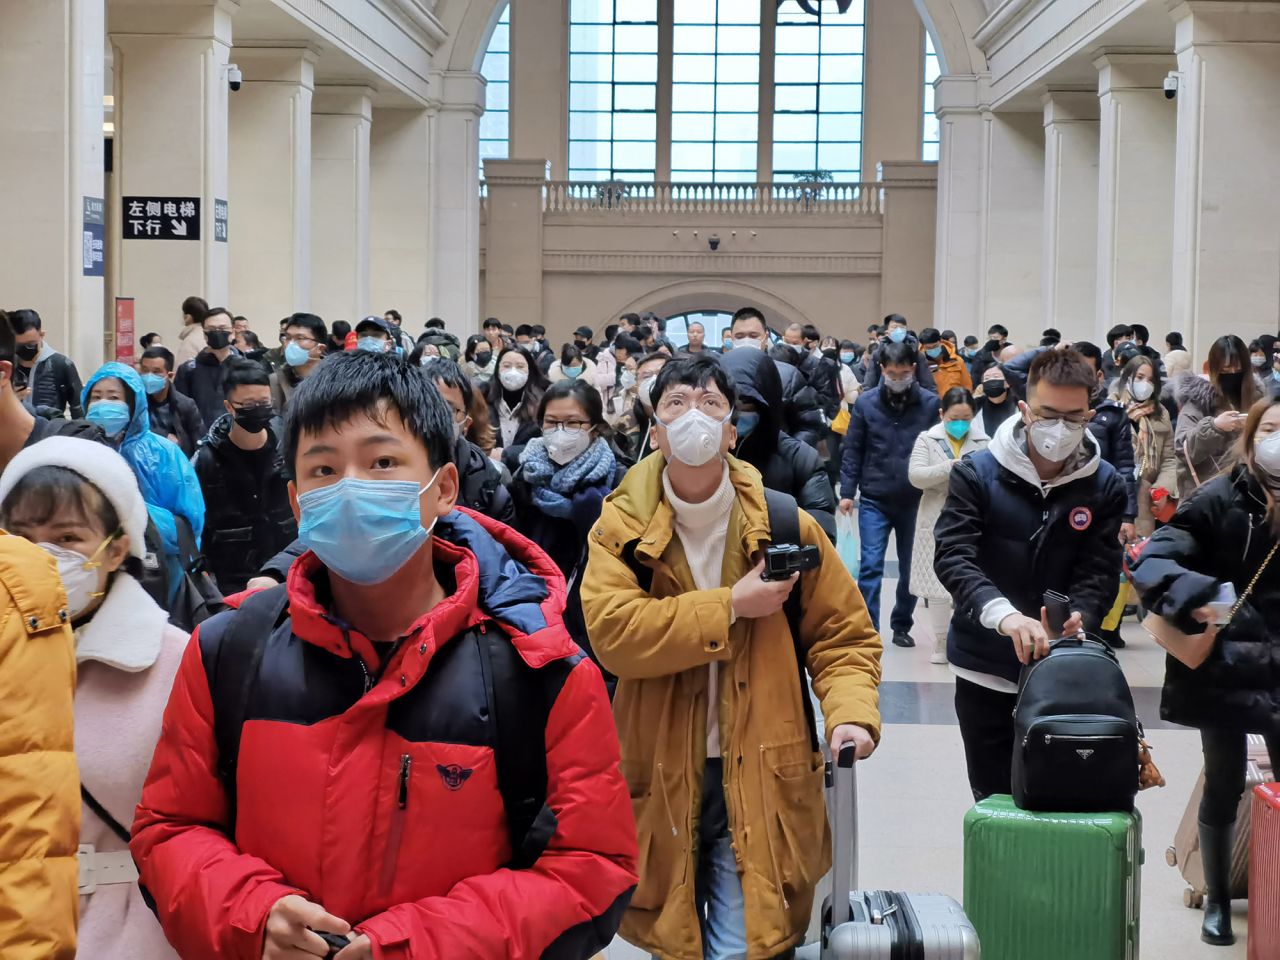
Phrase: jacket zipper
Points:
(396, 833)
(1073, 738)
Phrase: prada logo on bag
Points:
(1084, 754)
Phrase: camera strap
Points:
(784, 527)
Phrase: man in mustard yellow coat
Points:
(716, 749)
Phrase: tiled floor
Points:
(913, 796)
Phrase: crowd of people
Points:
(485, 660)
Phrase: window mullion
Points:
(666, 44)
(764, 130)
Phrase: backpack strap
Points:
(784, 527)
(516, 697)
(239, 657)
(103, 814)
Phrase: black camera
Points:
(781, 560)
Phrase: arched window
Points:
(613, 82)
(495, 130)
(932, 135)
(677, 90)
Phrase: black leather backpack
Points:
(1076, 732)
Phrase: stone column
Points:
(1070, 209)
(513, 239)
(910, 197)
(400, 213)
(959, 254)
(455, 205)
(270, 177)
(540, 82)
(892, 110)
(51, 71)
(1013, 199)
(170, 71)
(1136, 136)
(340, 120)
(1226, 242)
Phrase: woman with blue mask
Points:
(114, 400)
(785, 464)
(936, 452)
(572, 365)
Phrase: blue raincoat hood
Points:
(166, 478)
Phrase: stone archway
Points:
(715, 294)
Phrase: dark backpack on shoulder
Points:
(190, 597)
(516, 697)
(1075, 732)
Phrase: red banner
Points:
(124, 330)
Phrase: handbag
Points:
(840, 424)
(1191, 650)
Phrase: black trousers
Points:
(986, 727)
(1225, 755)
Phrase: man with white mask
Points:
(1038, 510)
(710, 702)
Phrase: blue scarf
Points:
(554, 486)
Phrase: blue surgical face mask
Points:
(846, 358)
(747, 422)
(111, 415)
(297, 356)
(372, 344)
(154, 383)
(898, 334)
(933, 353)
(572, 372)
(364, 530)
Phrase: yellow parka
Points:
(39, 783)
(660, 644)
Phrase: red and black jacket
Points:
(372, 788)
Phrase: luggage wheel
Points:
(1192, 899)
(1171, 856)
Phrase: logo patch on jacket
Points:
(453, 775)
(1080, 518)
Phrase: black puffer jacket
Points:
(801, 411)
(201, 379)
(785, 464)
(1002, 534)
(247, 519)
(1219, 535)
(55, 384)
(1110, 427)
(177, 414)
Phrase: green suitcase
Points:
(1052, 886)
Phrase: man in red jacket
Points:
(399, 753)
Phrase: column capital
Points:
(191, 19)
(1211, 22)
(516, 173)
(292, 63)
(1071, 105)
(458, 91)
(339, 99)
(956, 94)
(1133, 70)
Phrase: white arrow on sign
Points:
(179, 228)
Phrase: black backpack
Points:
(521, 713)
(1076, 732)
(784, 527)
(194, 598)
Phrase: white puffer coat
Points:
(930, 471)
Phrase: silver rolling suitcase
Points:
(874, 924)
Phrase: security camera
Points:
(234, 77)
(1171, 85)
(713, 241)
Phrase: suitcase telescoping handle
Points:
(844, 835)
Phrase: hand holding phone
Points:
(1057, 611)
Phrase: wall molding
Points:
(712, 264)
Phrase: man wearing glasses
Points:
(723, 770)
(302, 343)
(240, 464)
(1038, 510)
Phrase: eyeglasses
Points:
(302, 340)
(569, 426)
(1078, 419)
(675, 404)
